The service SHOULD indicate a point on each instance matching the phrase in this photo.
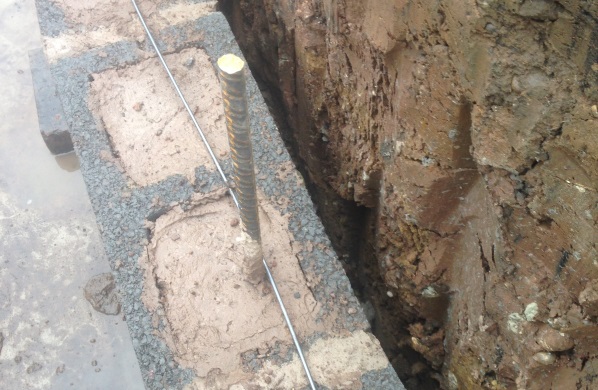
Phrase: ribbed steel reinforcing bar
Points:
(232, 76)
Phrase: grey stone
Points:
(100, 291)
(52, 124)
(539, 10)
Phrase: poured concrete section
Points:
(171, 234)
(53, 337)
(50, 336)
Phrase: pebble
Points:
(234, 222)
(545, 358)
(490, 27)
(554, 341)
(189, 62)
(137, 106)
(351, 310)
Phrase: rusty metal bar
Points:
(232, 76)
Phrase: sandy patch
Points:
(336, 363)
(213, 313)
(97, 23)
(149, 129)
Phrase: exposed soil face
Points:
(464, 133)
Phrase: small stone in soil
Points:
(137, 106)
(234, 222)
(60, 369)
(189, 62)
(94, 363)
(351, 310)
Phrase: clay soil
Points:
(453, 153)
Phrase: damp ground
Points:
(50, 335)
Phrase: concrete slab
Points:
(49, 246)
(127, 210)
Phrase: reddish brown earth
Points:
(453, 150)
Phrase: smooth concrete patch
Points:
(149, 129)
(53, 338)
(49, 246)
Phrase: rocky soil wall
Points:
(453, 150)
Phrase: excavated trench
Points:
(450, 149)
(351, 229)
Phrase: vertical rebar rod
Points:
(231, 70)
(232, 78)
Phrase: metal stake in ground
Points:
(232, 76)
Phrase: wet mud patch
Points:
(150, 131)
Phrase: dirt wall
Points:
(464, 136)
